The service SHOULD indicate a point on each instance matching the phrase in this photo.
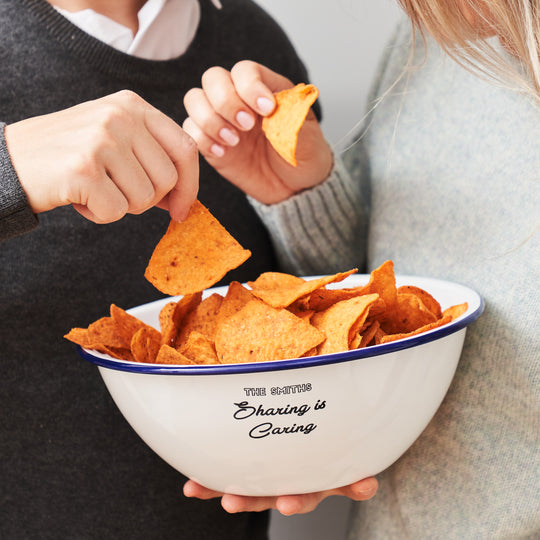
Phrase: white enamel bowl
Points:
(292, 426)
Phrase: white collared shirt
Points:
(166, 28)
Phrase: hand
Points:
(108, 157)
(225, 118)
(285, 504)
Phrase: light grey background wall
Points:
(340, 41)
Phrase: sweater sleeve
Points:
(323, 229)
(16, 216)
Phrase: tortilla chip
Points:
(199, 349)
(236, 298)
(82, 337)
(300, 306)
(126, 324)
(376, 311)
(145, 344)
(356, 335)
(118, 353)
(425, 297)
(281, 290)
(455, 311)
(194, 255)
(408, 315)
(382, 281)
(378, 337)
(283, 125)
(337, 321)
(259, 333)
(394, 337)
(105, 331)
(355, 342)
(305, 314)
(172, 315)
(202, 319)
(169, 355)
(323, 298)
(368, 335)
(79, 336)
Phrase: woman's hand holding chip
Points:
(225, 117)
(285, 504)
(108, 157)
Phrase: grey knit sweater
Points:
(453, 166)
(70, 465)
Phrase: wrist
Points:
(16, 215)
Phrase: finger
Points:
(299, 504)
(207, 118)
(182, 196)
(83, 210)
(157, 165)
(102, 201)
(193, 489)
(238, 503)
(131, 179)
(223, 98)
(182, 150)
(207, 146)
(361, 490)
(256, 84)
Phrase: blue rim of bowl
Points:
(222, 369)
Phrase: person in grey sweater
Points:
(71, 466)
(444, 179)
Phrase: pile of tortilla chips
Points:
(278, 316)
(283, 125)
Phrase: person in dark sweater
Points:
(71, 465)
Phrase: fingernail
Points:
(366, 492)
(265, 105)
(245, 120)
(217, 150)
(229, 137)
(179, 216)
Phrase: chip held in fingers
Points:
(194, 255)
(283, 125)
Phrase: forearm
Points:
(16, 216)
(323, 229)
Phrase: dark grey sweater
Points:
(70, 465)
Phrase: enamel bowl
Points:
(292, 426)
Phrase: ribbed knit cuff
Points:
(16, 216)
(320, 230)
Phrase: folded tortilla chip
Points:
(283, 125)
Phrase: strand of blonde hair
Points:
(516, 23)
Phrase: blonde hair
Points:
(461, 27)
